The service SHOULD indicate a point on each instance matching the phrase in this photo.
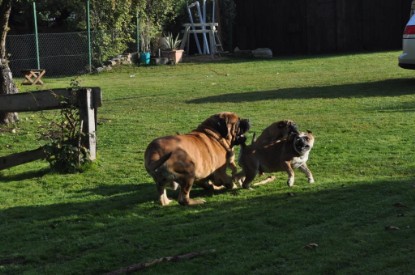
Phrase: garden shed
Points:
(320, 26)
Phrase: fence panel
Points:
(60, 53)
(320, 26)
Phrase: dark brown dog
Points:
(280, 155)
(202, 155)
(273, 133)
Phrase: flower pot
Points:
(145, 58)
(174, 56)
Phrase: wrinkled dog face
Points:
(303, 142)
(243, 127)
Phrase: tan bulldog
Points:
(199, 156)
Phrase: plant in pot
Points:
(170, 48)
(148, 33)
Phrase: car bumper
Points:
(407, 60)
(407, 66)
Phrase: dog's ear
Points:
(294, 128)
(244, 125)
(222, 127)
(282, 124)
(308, 131)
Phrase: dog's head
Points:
(227, 125)
(277, 131)
(286, 128)
(303, 142)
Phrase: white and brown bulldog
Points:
(199, 156)
(283, 154)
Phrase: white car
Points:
(407, 58)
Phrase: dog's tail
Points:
(156, 164)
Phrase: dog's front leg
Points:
(220, 178)
(290, 173)
(231, 163)
(250, 167)
(239, 178)
(304, 168)
(249, 177)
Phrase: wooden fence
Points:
(320, 26)
(86, 99)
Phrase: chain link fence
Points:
(59, 53)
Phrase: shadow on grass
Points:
(273, 225)
(110, 190)
(129, 195)
(25, 175)
(391, 87)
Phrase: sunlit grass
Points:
(360, 108)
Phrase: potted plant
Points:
(170, 48)
(147, 33)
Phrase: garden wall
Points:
(320, 26)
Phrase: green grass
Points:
(360, 108)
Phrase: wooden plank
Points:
(36, 101)
(21, 158)
(201, 24)
(45, 100)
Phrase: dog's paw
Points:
(290, 182)
(229, 185)
(164, 200)
(247, 186)
(196, 202)
(310, 180)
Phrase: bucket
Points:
(145, 58)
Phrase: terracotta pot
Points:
(174, 56)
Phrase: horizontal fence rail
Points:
(86, 99)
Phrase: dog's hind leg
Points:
(164, 200)
(184, 194)
(265, 181)
(307, 171)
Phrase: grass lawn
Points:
(360, 213)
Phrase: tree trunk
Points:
(7, 85)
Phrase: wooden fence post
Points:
(87, 115)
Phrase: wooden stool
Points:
(33, 76)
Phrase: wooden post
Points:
(87, 113)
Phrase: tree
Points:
(7, 85)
